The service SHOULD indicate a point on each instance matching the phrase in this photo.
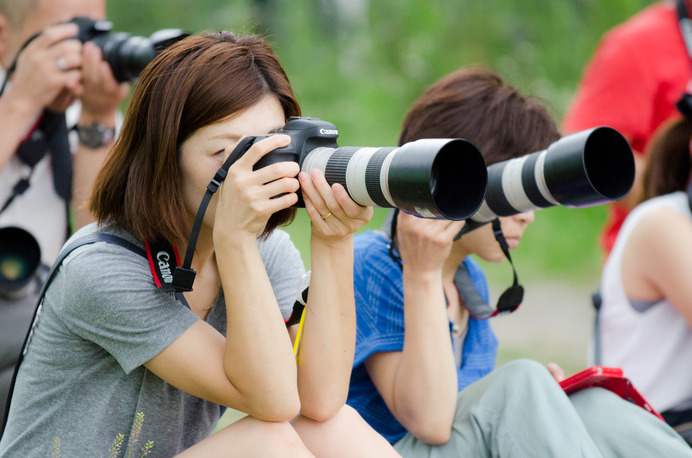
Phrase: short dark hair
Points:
(474, 103)
(198, 81)
(668, 167)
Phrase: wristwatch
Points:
(95, 135)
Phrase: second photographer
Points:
(53, 84)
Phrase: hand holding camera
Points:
(334, 215)
(101, 94)
(425, 244)
(46, 73)
(249, 197)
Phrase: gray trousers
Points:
(520, 411)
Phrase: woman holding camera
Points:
(646, 311)
(116, 363)
(423, 370)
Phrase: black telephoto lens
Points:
(586, 168)
(127, 55)
(432, 178)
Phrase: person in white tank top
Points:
(646, 313)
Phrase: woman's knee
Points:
(344, 419)
(250, 436)
(520, 371)
(517, 379)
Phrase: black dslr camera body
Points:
(127, 55)
(431, 178)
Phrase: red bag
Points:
(611, 379)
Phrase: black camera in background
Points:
(126, 54)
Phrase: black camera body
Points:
(306, 135)
(127, 55)
(431, 178)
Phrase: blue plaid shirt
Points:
(379, 293)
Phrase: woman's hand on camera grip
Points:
(425, 244)
(332, 212)
(247, 197)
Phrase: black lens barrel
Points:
(586, 168)
(438, 178)
(433, 178)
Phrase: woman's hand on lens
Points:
(424, 243)
(249, 197)
(333, 213)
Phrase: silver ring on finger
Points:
(62, 63)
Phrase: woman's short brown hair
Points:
(198, 81)
(474, 103)
(668, 167)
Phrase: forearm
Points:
(327, 344)
(258, 358)
(16, 118)
(426, 381)
(87, 162)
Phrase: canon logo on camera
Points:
(329, 132)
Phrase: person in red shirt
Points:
(637, 74)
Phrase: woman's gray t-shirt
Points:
(82, 389)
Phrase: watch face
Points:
(95, 135)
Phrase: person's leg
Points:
(251, 437)
(518, 410)
(621, 428)
(344, 435)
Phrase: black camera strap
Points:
(477, 307)
(86, 240)
(184, 276)
(49, 135)
(509, 300)
(163, 260)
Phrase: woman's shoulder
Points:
(655, 227)
(109, 253)
(674, 203)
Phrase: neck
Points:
(456, 257)
(204, 248)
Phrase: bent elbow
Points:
(432, 434)
(321, 412)
(276, 410)
(321, 405)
